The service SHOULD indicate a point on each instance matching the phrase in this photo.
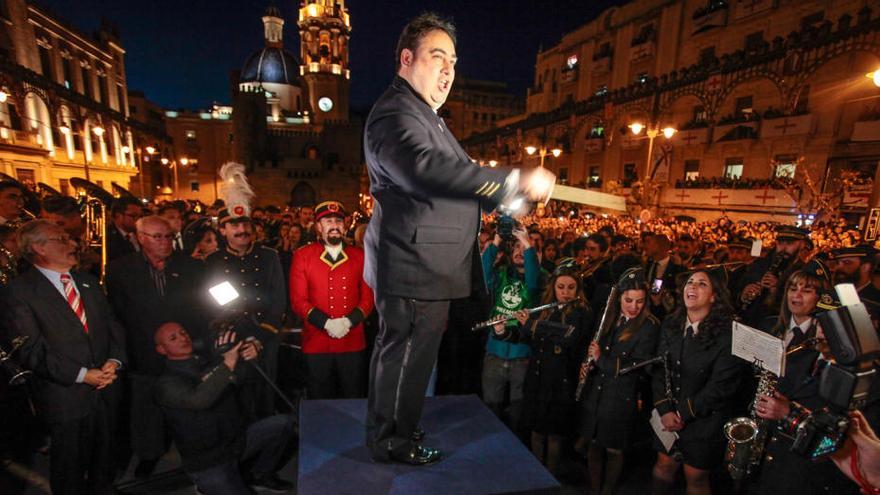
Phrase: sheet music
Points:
(759, 348)
(667, 438)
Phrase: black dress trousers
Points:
(410, 332)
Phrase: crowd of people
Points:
(150, 358)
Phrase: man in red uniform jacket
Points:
(327, 290)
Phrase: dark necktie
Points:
(689, 332)
(797, 335)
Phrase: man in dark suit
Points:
(121, 240)
(421, 245)
(661, 266)
(146, 290)
(74, 347)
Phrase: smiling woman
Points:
(704, 378)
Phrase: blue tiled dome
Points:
(273, 65)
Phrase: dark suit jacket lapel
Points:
(47, 292)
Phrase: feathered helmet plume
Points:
(236, 191)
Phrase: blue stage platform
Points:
(481, 456)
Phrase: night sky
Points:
(180, 53)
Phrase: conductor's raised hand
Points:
(537, 183)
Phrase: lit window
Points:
(691, 169)
(602, 91)
(572, 62)
(190, 135)
(733, 169)
(785, 166)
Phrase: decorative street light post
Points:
(648, 186)
(543, 152)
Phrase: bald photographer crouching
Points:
(208, 425)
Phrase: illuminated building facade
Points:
(756, 90)
(63, 109)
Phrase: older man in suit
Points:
(421, 245)
(74, 347)
(149, 288)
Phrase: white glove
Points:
(337, 327)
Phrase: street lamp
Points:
(652, 132)
(543, 152)
(874, 76)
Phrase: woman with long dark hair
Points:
(610, 412)
(705, 377)
(557, 339)
(783, 471)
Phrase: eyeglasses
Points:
(159, 237)
(63, 239)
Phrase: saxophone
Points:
(746, 436)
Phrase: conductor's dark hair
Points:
(416, 29)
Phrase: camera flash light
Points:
(223, 293)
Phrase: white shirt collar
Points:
(695, 326)
(334, 250)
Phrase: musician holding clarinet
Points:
(627, 335)
(705, 378)
(557, 338)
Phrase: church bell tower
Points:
(324, 29)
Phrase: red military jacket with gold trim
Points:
(321, 288)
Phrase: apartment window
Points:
(75, 135)
(699, 114)
(46, 63)
(64, 186)
(594, 176)
(597, 132)
(190, 136)
(87, 82)
(629, 174)
(120, 98)
(27, 177)
(571, 62)
(733, 168)
(642, 78)
(194, 186)
(68, 73)
(602, 90)
(103, 90)
(785, 166)
(14, 117)
(744, 105)
(563, 175)
(691, 169)
(754, 41)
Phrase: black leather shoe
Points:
(271, 483)
(418, 434)
(419, 456)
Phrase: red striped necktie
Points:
(74, 301)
